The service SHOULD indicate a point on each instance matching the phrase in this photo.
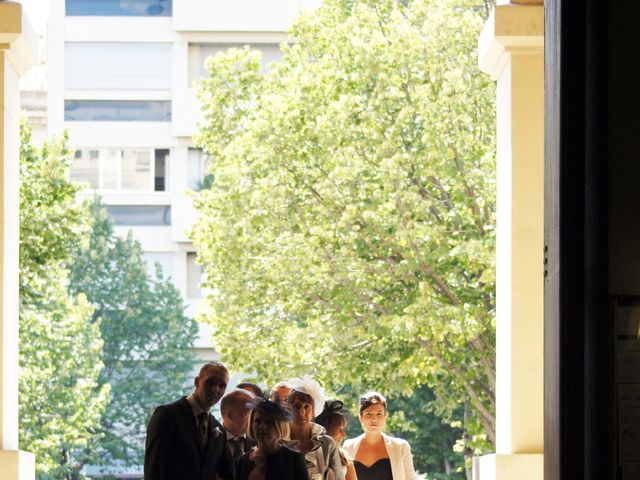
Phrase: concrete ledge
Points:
(510, 29)
(17, 465)
(524, 466)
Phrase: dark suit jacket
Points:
(173, 449)
(285, 464)
(248, 445)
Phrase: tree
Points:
(60, 347)
(349, 231)
(432, 440)
(148, 341)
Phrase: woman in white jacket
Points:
(377, 456)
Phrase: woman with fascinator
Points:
(378, 456)
(334, 422)
(270, 459)
(306, 400)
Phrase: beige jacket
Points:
(399, 455)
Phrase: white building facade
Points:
(122, 84)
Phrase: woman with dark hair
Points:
(270, 459)
(378, 456)
(320, 450)
(334, 423)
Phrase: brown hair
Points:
(372, 398)
(301, 395)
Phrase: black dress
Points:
(285, 464)
(381, 470)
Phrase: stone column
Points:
(18, 47)
(511, 51)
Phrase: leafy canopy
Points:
(148, 341)
(60, 398)
(349, 231)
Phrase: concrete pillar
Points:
(511, 51)
(18, 47)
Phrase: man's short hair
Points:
(235, 400)
(216, 365)
(252, 387)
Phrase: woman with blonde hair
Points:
(270, 459)
(378, 456)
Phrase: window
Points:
(140, 215)
(126, 8)
(141, 170)
(197, 169)
(194, 277)
(117, 66)
(117, 111)
(198, 53)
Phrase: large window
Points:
(127, 8)
(198, 53)
(117, 66)
(142, 170)
(117, 111)
(140, 215)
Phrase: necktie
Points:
(202, 427)
(236, 446)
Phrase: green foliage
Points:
(432, 440)
(349, 231)
(60, 399)
(148, 342)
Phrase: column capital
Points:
(17, 37)
(510, 29)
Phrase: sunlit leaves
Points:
(61, 400)
(350, 229)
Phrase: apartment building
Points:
(121, 81)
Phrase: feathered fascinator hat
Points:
(332, 409)
(270, 409)
(308, 385)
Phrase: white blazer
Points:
(399, 455)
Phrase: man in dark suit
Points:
(184, 441)
(235, 419)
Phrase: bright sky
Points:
(37, 11)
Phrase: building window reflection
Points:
(138, 170)
(119, 8)
(140, 215)
(117, 111)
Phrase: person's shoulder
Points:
(352, 441)
(350, 445)
(326, 439)
(287, 450)
(171, 408)
(396, 441)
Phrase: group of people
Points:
(294, 434)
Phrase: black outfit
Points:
(237, 446)
(285, 464)
(381, 470)
(176, 450)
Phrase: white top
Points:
(399, 455)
